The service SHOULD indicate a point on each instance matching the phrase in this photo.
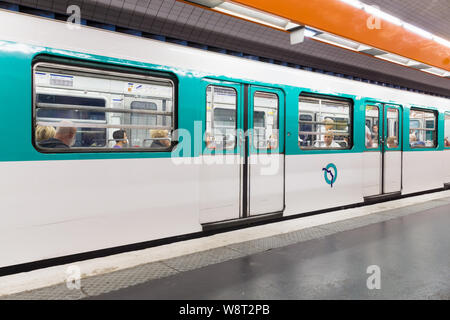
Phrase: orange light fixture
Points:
(350, 24)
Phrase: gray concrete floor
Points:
(412, 252)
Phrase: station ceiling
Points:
(183, 21)
(431, 15)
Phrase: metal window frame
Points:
(365, 119)
(254, 141)
(100, 70)
(344, 102)
(435, 129)
(446, 114)
(212, 112)
(386, 121)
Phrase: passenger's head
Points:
(161, 136)
(66, 132)
(328, 138)
(329, 124)
(391, 142)
(412, 137)
(120, 136)
(375, 128)
(44, 133)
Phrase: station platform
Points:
(390, 250)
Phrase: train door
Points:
(221, 161)
(391, 143)
(242, 172)
(447, 149)
(383, 150)
(263, 171)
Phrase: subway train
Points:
(112, 140)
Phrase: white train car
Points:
(249, 141)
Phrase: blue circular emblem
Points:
(330, 174)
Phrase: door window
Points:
(372, 127)
(324, 123)
(79, 109)
(392, 128)
(220, 117)
(447, 131)
(422, 129)
(265, 120)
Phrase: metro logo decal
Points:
(330, 171)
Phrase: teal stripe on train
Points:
(16, 107)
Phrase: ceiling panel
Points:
(431, 15)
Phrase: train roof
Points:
(87, 41)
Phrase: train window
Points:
(138, 135)
(422, 129)
(392, 120)
(324, 123)
(447, 130)
(305, 120)
(221, 122)
(87, 109)
(265, 120)
(84, 137)
(372, 126)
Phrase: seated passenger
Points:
(121, 139)
(392, 142)
(375, 136)
(375, 132)
(65, 136)
(329, 124)
(44, 133)
(419, 144)
(446, 142)
(327, 143)
(273, 142)
(413, 141)
(161, 139)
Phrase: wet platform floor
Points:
(411, 253)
